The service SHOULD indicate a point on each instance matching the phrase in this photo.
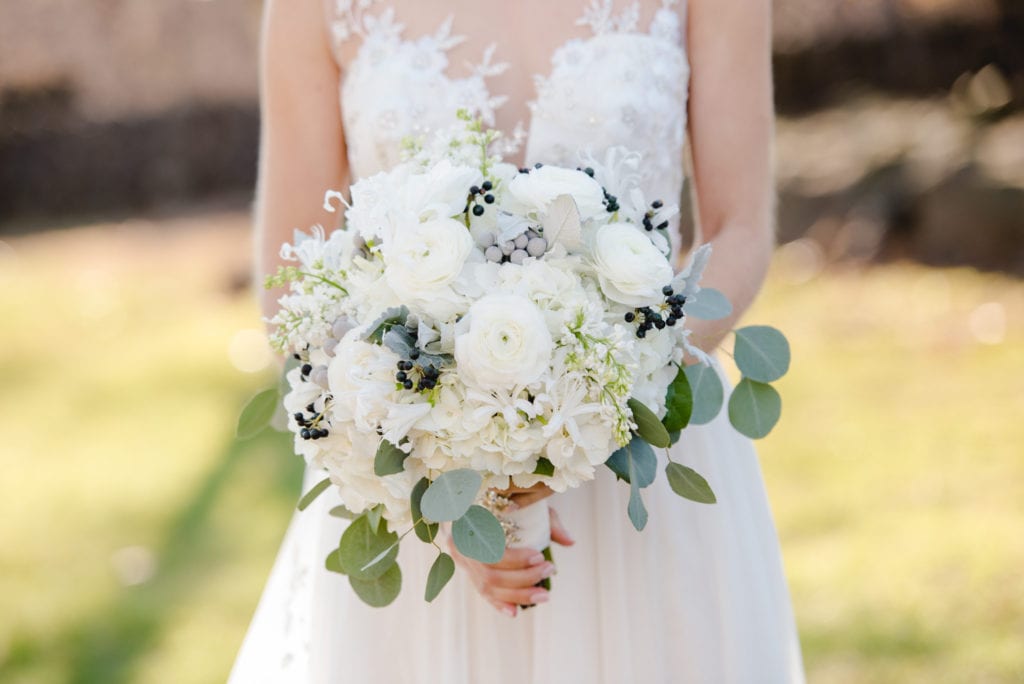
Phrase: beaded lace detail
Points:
(617, 87)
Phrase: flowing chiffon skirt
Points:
(698, 596)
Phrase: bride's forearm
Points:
(739, 263)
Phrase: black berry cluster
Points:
(668, 313)
(478, 192)
(611, 202)
(311, 425)
(649, 216)
(413, 375)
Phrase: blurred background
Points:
(136, 533)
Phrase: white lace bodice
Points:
(617, 86)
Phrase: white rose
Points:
(538, 188)
(425, 257)
(630, 268)
(502, 342)
(439, 192)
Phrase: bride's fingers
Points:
(559, 534)
(516, 579)
(520, 597)
(518, 558)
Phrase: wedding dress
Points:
(699, 595)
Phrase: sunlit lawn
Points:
(136, 534)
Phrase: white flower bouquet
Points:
(475, 326)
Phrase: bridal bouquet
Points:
(476, 326)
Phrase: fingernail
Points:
(509, 610)
(540, 597)
(548, 571)
(536, 559)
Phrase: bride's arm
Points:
(731, 129)
(302, 150)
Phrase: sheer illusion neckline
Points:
(383, 37)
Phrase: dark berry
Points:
(671, 320)
(478, 210)
(474, 190)
(305, 434)
(641, 332)
(299, 417)
(306, 368)
(663, 225)
(400, 376)
(589, 171)
(489, 198)
(659, 324)
(401, 365)
(630, 316)
(414, 354)
(657, 204)
(537, 165)
(407, 384)
(487, 185)
(309, 407)
(667, 290)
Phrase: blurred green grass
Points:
(137, 534)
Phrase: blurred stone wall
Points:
(900, 129)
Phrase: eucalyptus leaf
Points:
(373, 516)
(754, 408)
(363, 554)
(678, 404)
(709, 305)
(636, 457)
(544, 467)
(310, 496)
(761, 353)
(333, 562)
(392, 317)
(708, 394)
(451, 494)
(379, 591)
(427, 532)
(440, 573)
(479, 535)
(635, 509)
(647, 424)
(341, 512)
(673, 437)
(689, 484)
(258, 413)
(389, 459)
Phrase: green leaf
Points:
(451, 495)
(333, 562)
(544, 467)
(635, 509)
(310, 496)
(708, 394)
(688, 483)
(709, 305)
(479, 535)
(373, 516)
(647, 424)
(363, 554)
(392, 317)
(427, 532)
(440, 572)
(638, 457)
(761, 353)
(342, 512)
(673, 437)
(389, 459)
(257, 413)
(379, 591)
(678, 404)
(754, 408)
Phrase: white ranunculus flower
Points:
(630, 268)
(439, 192)
(502, 342)
(425, 257)
(537, 189)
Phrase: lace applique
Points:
(600, 16)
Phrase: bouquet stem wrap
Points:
(531, 526)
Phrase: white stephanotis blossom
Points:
(534, 192)
(502, 343)
(629, 267)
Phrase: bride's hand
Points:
(511, 582)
